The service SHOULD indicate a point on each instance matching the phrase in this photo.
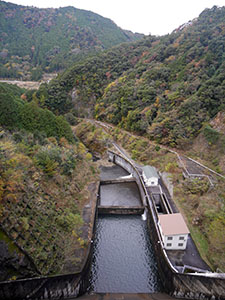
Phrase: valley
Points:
(74, 87)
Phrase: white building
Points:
(174, 231)
(150, 176)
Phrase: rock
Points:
(13, 264)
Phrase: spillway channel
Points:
(123, 257)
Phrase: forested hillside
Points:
(44, 40)
(17, 114)
(46, 177)
(167, 88)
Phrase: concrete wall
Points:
(191, 286)
(41, 288)
(120, 210)
(127, 165)
(153, 181)
(168, 182)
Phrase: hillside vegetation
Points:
(165, 88)
(46, 178)
(17, 113)
(34, 40)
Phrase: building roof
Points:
(173, 224)
(150, 172)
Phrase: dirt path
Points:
(29, 85)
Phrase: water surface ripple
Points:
(123, 258)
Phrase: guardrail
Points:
(195, 175)
(192, 285)
(150, 204)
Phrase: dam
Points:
(195, 285)
(123, 256)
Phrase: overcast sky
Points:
(156, 17)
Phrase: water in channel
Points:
(123, 257)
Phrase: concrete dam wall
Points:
(191, 286)
(182, 285)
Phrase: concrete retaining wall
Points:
(118, 180)
(190, 286)
(41, 288)
(120, 210)
(127, 165)
(168, 182)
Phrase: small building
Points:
(150, 175)
(174, 231)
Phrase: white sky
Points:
(155, 17)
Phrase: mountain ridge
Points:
(139, 86)
(34, 40)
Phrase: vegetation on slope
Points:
(94, 138)
(45, 181)
(43, 190)
(35, 40)
(15, 113)
(165, 88)
(79, 87)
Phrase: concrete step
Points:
(122, 179)
(121, 210)
(158, 296)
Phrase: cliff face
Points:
(14, 263)
(218, 123)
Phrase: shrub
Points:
(69, 165)
(48, 160)
(196, 185)
(211, 134)
(71, 119)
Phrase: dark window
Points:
(169, 238)
(180, 244)
(181, 238)
(168, 244)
